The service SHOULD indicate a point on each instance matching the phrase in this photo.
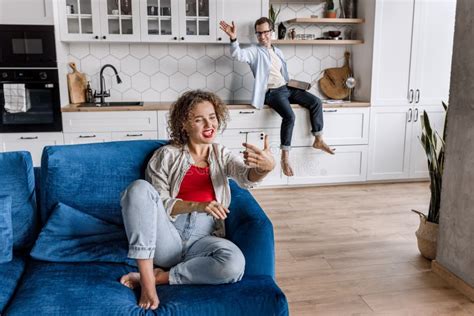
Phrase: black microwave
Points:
(27, 46)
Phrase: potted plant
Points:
(273, 16)
(330, 11)
(434, 146)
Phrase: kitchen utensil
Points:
(332, 84)
(350, 84)
(334, 34)
(77, 85)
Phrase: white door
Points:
(432, 50)
(32, 142)
(391, 58)
(389, 142)
(197, 20)
(120, 20)
(159, 20)
(79, 20)
(418, 160)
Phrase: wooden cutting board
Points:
(333, 82)
(77, 85)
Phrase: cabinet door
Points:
(311, 166)
(197, 20)
(120, 20)
(389, 145)
(32, 142)
(418, 160)
(133, 135)
(79, 20)
(86, 138)
(26, 12)
(244, 13)
(433, 32)
(391, 58)
(159, 20)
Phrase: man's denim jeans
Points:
(186, 246)
(280, 100)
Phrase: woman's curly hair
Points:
(180, 110)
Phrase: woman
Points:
(175, 219)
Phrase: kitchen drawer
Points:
(342, 126)
(110, 121)
(32, 142)
(86, 138)
(118, 136)
(311, 166)
(253, 118)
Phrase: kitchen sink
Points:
(119, 103)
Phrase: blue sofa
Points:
(68, 246)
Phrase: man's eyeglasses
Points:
(263, 32)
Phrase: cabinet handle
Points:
(175, 38)
(410, 96)
(417, 96)
(410, 115)
(29, 137)
(219, 38)
(96, 37)
(104, 37)
(246, 112)
(182, 38)
(247, 132)
(134, 135)
(87, 136)
(416, 115)
(330, 111)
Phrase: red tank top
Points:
(197, 186)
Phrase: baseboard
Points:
(453, 280)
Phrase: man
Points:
(271, 77)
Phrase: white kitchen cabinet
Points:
(32, 142)
(413, 42)
(99, 20)
(342, 126)
(395, 149)
(311, 166)
(26, 12)
(159, 20)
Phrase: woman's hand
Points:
(230, 30)
(215, 209)
(261, 160)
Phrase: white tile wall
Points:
(161, 72)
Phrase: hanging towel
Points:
(17, 98)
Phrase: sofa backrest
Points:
(90, 177)
(17, 180)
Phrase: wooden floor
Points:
(351, 250)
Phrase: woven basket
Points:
(427, 236)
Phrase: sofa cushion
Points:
(10, 274)
(18, 181)
(90, 177)
(71, 235)
(6, 235)
(94, 289)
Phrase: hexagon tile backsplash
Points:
(161, 72)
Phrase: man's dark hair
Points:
(262, 20)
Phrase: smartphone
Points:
(255, 137)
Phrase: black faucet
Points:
(104, 94)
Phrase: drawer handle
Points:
(250, 132)
(246, 112)
(134, 135)
(87, 136)
(29, 137)
(330, 111)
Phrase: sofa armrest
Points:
(252, 231)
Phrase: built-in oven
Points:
(27, 46)
(29, 101)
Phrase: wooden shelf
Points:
(326, 21)
(317, 42)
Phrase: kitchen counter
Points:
(165, 106)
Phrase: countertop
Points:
(165, 106)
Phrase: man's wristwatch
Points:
(233, 40)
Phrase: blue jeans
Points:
(186, 246)
(280, 100)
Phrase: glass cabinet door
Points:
(79, 19)
(160, 20)
(120, 19)
(199, 22)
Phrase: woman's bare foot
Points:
(285, 163)
(320, 144)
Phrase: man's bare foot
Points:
(132, 279)
(320, 144)
(285, 163)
